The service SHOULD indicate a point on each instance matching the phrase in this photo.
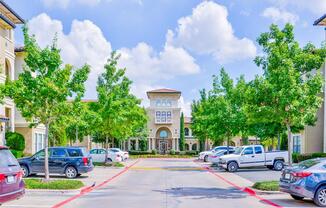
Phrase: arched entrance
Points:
(163, 140)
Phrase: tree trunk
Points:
(228, 143)
(278, 141)
(106, 149)
(113, 142)
(46, 156)
(76, 133)
(289, 144)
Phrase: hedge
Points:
(301, 157)
(171, 152)
(15, 141)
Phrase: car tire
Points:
(233, 167)
(296, 197)
(278, 165)
(206, 158)
(270, 167)
(25, 171)
(320, 197)
(109, 160)
(71, 172)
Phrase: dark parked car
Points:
(11, 184)
(70, 161)
(306, 180)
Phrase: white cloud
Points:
(65, 3)
(208, 31)
(317, 7)
(278, 15)
(185, 106)
(85, 43)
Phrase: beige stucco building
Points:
(11, 64)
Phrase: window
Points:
(169, 103)
(40, 154)
(158, 103)
(58, 153)
(164, 103)
(7, 159)
(248, 151)
(297, 144)
(94, 151)
(258, 150)
(163, 134)
(186, 131)
(74, 153)
(101, 151)
(163, 116)
(39, 141)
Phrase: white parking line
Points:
(25, 205)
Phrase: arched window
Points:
(194, 147)
(186, 131)
(7, 69)
(163, 134)
(187, 146)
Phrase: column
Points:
(129, 145)
(137, 144)
(173, 144)
(177, 143)
(153, 143)
(149, 145)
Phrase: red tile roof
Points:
(164, 90)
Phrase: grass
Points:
(267, 185)
(113, 164)
(54, 184)
(161, 156)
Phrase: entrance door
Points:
(163, 146)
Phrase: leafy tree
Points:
(119, 111)
(182, 133)
(42, 89)
(289, 91)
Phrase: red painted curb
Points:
(89, 189)
(246, 189)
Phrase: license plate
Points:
(11, 179)
(287, 176)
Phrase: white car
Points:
(215, 157)
(98, 155)
(204, 155)
(254, 156)
(123, 154)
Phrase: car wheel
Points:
(71, 172)
(278, 165)
(320, 197)
(25, 171)
(296, 197)
(270, 167)
(232, 167)
(206, 158)
(109, 160)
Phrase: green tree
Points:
(42, 89)
(119, 111)
(182, 133)
(289, 91)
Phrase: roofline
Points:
(7, 21)
(12, 11)
(319, 20)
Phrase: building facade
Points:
(8, 20)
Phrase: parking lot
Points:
(161, 183)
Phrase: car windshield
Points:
(309, 163)
(220, 152)
(238, 150)
(7, 159)
(115, 150)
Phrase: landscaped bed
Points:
(53, 184)
(267, 185)
(111, 164)
(161, 156)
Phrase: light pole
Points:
(322, 22)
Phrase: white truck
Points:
(253, 156)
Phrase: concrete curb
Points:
(261, 192)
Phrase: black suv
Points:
(70, 161)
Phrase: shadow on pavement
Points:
(293, 203)
(203, 193)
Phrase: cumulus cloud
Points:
(66, 3)
(85, 43)
(185, 106)
(208, 31)
(317, 7)
(278, 15)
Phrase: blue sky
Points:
(166, 43)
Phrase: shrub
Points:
(15, 141)
(17, 154)
(172, 152)
(267, 185)
(191, 152)
(301, 157)
(135, 152)
(154, 152)
(55, 184)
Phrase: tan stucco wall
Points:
(28, 135)
(312, 140)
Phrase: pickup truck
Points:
(253, 156)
